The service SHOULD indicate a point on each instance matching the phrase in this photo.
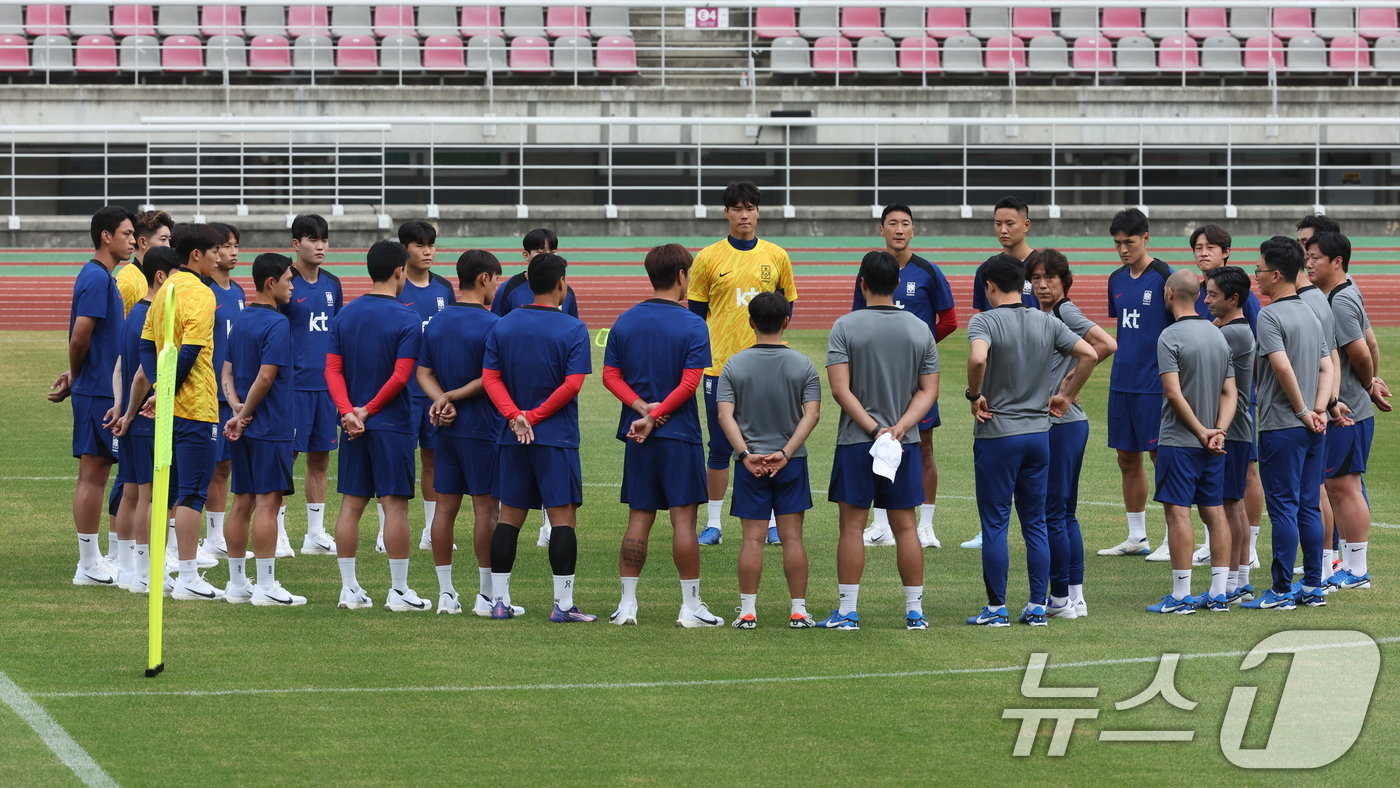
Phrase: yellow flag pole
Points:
(160, 493)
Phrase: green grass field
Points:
(315, 695)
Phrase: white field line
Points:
(53, 735)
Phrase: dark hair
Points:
(544, 272)
(417, 232)
(176, 231)
(895, 208)
(384, 258)
(1232, 281)
(148, 223)
(880, 273)
(1333, 244)
(1129, 221)
(540, 239)
(1214, 234)
(665, 263)
(107, 220)
(159, 259)
(472, 264)
(197, 238)
(310, 225)
(269, 265)
(1014, 203)
(1320, 223)
(768, 309)
(1284, 255)
(741, 193)
(1005, 272)
(1054, 263)
(228, 231)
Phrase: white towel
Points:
(887, 454)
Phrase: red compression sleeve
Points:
(946, 324)
(403, 368)
(612, 381)
(499, 394)
(335, 383)
(557, 400)
(690, 380)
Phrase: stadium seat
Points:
(14, 54)
(478, 20)
(770, 22)
(1005, 53)
(443, 52)
(962, 55)
(833, 55)
(1290, 23)
(522, 21)
(1047, 55)
(1077, 23)
(46, 20)
(176, 20)
(52, 54)
(1135, 55)
(790, 55)
(90, 20)
(399, 53)
(529, 54)
(313, 53)
(486, 53)
(1375, 23)
(1263, 54)
(226, 53)
(1307, 54)
(1029, 24)
(220, 20)
(1203, 23)
(141, 54)
(1092, 55)
(95, 55)
(1332, 22)
(269, 54)
(610, 22)
(903, 22)
(264, 20)
(945, 23)
(12, 21)
(356, 53)
(875, 55)
(133, 20)
(394, 20)
(1159, 23)
(1349, 54)
(1387, 54)
(181, 54)
(1122, 23)
(858, 22)
(818, 22)
(573, 55)
(918, 55)
(308, 20)
(1221, 55)
(566, 21)
(988, 23)
(1248, 21)
(440, 20)
(351, 20)
(1178, 55)
(617, 55)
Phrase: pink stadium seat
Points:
(182, 54)
(444, 53)
(1004, 53)
(617, 55)
(220, 20)
(561, 21)
(833, 55)
(133, 20)
(1262, 51)
(529, 55)
(95, 55)
(46, 20)
(946, 22)
(1028, 23)
(771, 22)
(1349, 53)
(356, 53)
(1092, 55)
(308, 20)
(1292, 22)
(1122, 23)
(1377, 22)
(1203, 23)
(394, 20)
(1176, 55)
(14, 54)
(919, 55)
(269, 54)
(481, 20)
(858, 22)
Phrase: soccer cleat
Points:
(915, 620)
(927, 538)
(276, 596)
(139, 585)
(746, 621)
(238, 593)
(1220, 603)
(197, 589)
(1243, 593)
(1314, 598)
(545, 531)
(425, 540)
(318, 544)
(1126, 547)
(801, 621)
(1081, 608)
(203, 559)
(97, 575)
(625, 615)
(1297, 589)
(284, 547)
(990, 617)
(354, 599)
(975, 543)
(1202, 556)
(698, 618)
(1270, 600)
(379, 542)
(1162, 554)
(877, 536)
(501, 610)
(406, 600)
(839, 620)
(215, 547)
(1345, 579)
(482, 607)
(1067, 611)
(773, 535)
(1253, 559)
(571, 616)
(1184, 606)
(124, 578)
(1033, 615)
(710, 536)
(449, 603)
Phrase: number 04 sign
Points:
(704, 17)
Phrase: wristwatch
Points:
(744, 454)
(970, 396)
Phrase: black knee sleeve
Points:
(503, 543)
(563, 550)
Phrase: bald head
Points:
(1183, 285)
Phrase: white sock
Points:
(564, 591)
(544, 518)
(88, 552)
(113, 548)
(690, 594)
(914, 599)
(849, 594)
(1076, 592)
(1327, 557)
(926, 511)
(500, 587)
(1233, 581)
(398, 574)
(799, 606)
(347, 573)
(1137, 526)
(429, 511)
(747, 603)
(188, 571)
(214, 526)
(712, 511)
(1219, 580)
(1356, 556)
(880, 518)
(1058, 601)
(1242, 575)
(1181, 583)
(1206, 527)
(1166, 535)
(380, 508)
(237, 571)
(484, 581)
(629, 591)
(141, 560)
(444, 574)
(315, 519)
(267, 572)
(1253, 539)
(282, 522)
(172, 542)
(126, 555)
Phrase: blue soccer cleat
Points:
(1345, 579)
(1033, 615)
(1314, 598)
(1170, 604)
(1220, 603)
(839, 620)
(915, 620)
(1242, 594)
(711, 535)
(991, 617)
(1271, 600)
(773, 535)
(571, 616)
(502, 610)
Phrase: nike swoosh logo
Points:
(286, 601)
(408, 303)
(81, 539)
(107, 581)
(726, 273)
(299, 300)
(209, 595)
(421, 603)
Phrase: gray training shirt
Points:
(1071, 316)
(1317, 300)
(1020, 361)
(887, 350)
(1288, 325)
(768, 385)
(1197, 352)
(1349, 324)
(1241, 341)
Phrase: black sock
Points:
(503, 543)
(563, 550)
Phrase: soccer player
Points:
(94, 342)
(883, 367)
(923, 290)
(427, 294)
(1315, 298)
(656, 353)
(1012, 223)
(229, 298)
(1051, 279)
(1135, 293)
(535, 363)
(467, 424)
(1009, 369)
(257, 376)
(1353, 415)
(769, 401)
(153, 229)
(373, 348)
(316, 299)
(1198, 406)
(727, 275)
(1226, 287)
(1293, 381)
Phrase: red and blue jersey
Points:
(454, 345)
(652, 344)
(923, 291)
(427, 301)
(95, 295)
(535, 348)
(515, 293)
(227, 304)
(131, 361)
(313, 306)
(370, 335)
(1139, 308)
(261, 335)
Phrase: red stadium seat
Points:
(1177, 55)
(1349, 53)
(14, 54)
(617, 55)
(1092, 55)
(479, 20)
(833, 55)
(858, 22)
(220, 20)
(946, 22)
(1028, 23)
(95, 55)
(269, 54)
(1374, 23)
(562, 21)
(394, 20)
(133, 20)
(530, 55)
(1004, 53)
(444, 53)
(308, 20)
(1292, 22)
(769, 22)
(1263, 54)
(919, 55)
(46, 20)
(1203, 23)
(356, 53)
(1122, 23)
(183, 54)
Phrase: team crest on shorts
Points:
(766, 272)
(1147, 298)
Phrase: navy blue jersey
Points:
(653, 343)
(1139, 308)
(131, 361)
(370, 335)
(454, 344)
(535, 348)
(1251, 307)
(923, 291)
(515, 292)
(95, 295)
(427, 301)
(227, 304)
(979, 293)
(310, 311)
(261, 335)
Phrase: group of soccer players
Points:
(481, 381)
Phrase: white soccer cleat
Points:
(877, 536)
(354, 599)
(139, 585)
(1202, 555)
(237, 594)
(1127, 547)
(197, 589)
(284, 546)
(425, 540)
(927, 538)
(545, 531)
(406, 600)
(448, 603)
(124, 579)
(379, 542)
(99, 574)
(698, 618)
(1081, 608)
(203, 559)
(277, 596)
(318, 544)
(975, 543)
(1162, 554)
(625, 615)
(482, 607)
(215, 547)
(1067, 612)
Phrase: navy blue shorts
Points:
(316, 424)
(137, 465)
(261, 467)
(464, 466)
(225, 451)
(1133, 421)
(427, 433)
(720, 450)
(375, 464)
(1189, 477)
(931, 420)
(755, 498)
(662, 473)
(1238, 456)
(853, 482)
(533, 476)
(88, 435)
(192, 462)
(1348, 448)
